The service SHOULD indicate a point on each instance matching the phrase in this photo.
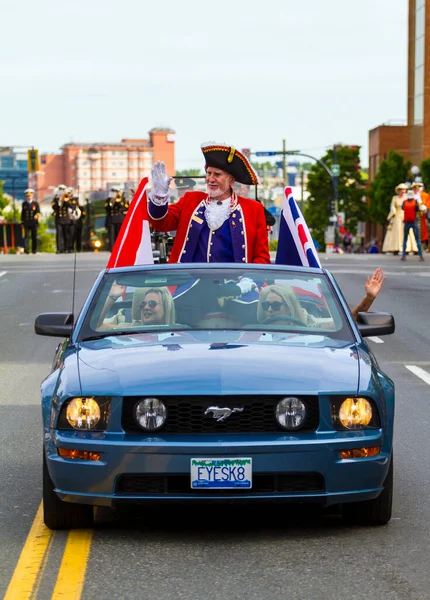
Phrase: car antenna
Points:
(74, 268)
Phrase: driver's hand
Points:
(246, 285)
(117, 290)
(160, 181)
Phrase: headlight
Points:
(150, 413)
(355, 413)
(85, 414)
(291, 413)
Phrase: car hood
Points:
(123, 366)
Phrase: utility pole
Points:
(284, 162)
(336, 195)
(302, 177)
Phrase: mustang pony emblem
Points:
(221, 414)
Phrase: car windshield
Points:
(215, 298)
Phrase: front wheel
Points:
(62, 515)
(372, 512)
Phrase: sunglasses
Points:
(150, 303)
(273, 305)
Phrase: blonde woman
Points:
(150, 306)
(278, 304)
(393, 241)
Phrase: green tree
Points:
(3, 200)
(425, 172)
(188, 173)
(350, 187)
(263, 166)
(392, 171)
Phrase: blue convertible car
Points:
(218, 382)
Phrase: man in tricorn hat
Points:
(217, 225)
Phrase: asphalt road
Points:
(216, 553)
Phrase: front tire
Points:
(372, 512)
(62, 515)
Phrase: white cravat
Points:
(216, 214)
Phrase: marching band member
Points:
(60, 207)
(217, 225)
(30, 213)
(116, 207)
(77, 216)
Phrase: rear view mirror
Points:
(54, 324)
(375, 323)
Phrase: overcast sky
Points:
(246, 72)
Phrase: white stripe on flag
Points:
(124, 238)
(144, 254)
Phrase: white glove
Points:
(246, 285)
(160, 181)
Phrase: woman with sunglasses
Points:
(157, 307)
(278, 304)
(154, 305)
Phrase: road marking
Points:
(71, 576)
(419, 373)
(375, 339)
(31, 564)
(2, 273)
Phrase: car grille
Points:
(262, 483)
(186, 414)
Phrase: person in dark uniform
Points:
(184, 184)
(54, 204)
(60, 207)
(77, 217)
(116, 207)
(30, 213)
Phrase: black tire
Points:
(63, 515)
(372, 512)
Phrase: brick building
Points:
(95, 166)
(411, 140)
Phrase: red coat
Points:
(248, 228)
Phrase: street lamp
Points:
(415, 170)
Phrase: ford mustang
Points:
(216, 382)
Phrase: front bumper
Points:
(313, 458)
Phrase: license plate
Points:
(221, 473)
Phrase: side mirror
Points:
(54, 324)
(375, 323)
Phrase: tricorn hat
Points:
(227, 158)
(401, 186)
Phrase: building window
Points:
(6, 162)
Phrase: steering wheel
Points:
(286, 318)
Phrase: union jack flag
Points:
(133, 244)
(295, 244)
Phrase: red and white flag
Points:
(133, 244)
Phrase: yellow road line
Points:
(71, 575)
(31, 563)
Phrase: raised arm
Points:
(115, 292)
(372, 286)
